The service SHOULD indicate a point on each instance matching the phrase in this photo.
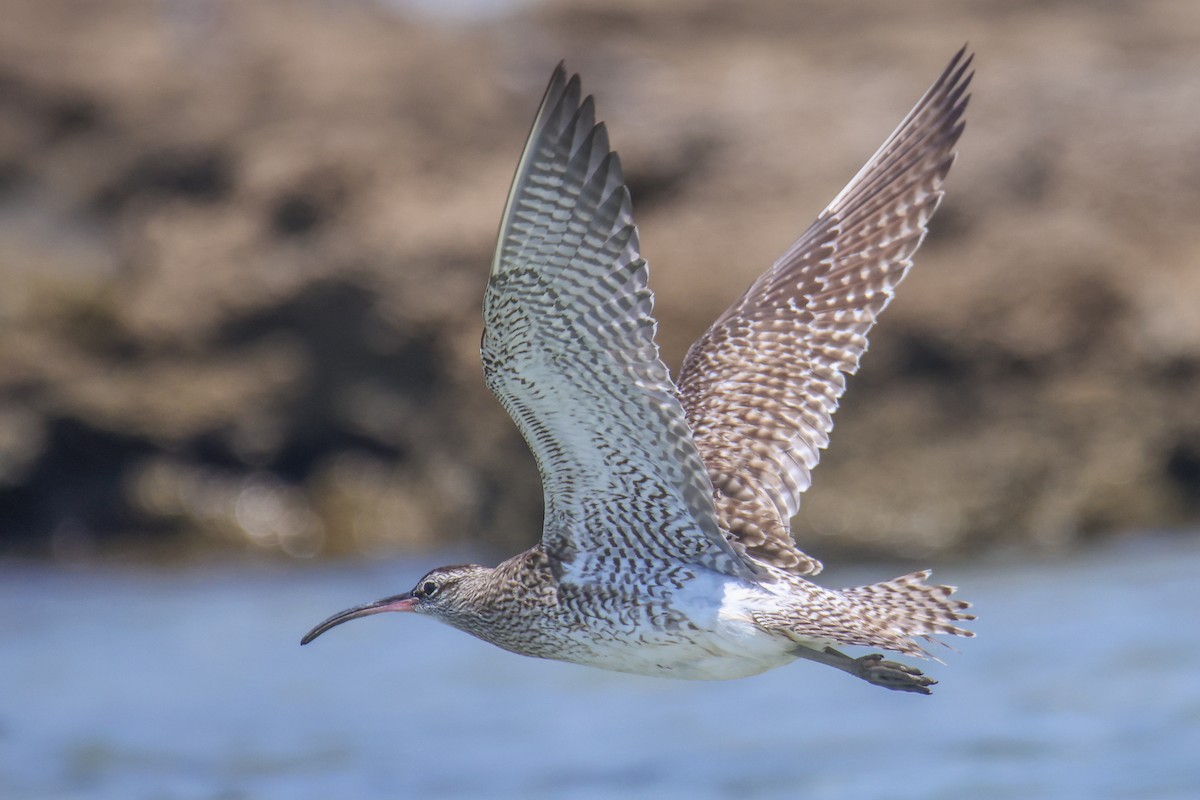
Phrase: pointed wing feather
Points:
(569, 350)
(761, 385)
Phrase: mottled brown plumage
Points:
(665, 548)
(761, 385)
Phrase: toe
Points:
(894, 675)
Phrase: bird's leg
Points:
(872, 669)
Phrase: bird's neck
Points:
(514, 600)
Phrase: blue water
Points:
(125, 684)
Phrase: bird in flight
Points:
(666, 548)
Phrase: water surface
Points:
(148, 684)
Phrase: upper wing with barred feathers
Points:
(761, 385)
(569, 350)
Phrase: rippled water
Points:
(147, 684)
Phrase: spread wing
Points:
(761, 385)
(569, 350)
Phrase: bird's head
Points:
(450, 594)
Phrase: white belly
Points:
(725, 643)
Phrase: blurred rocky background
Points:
(243, 248)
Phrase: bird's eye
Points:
(428, 589)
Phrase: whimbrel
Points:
(666, 548)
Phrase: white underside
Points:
(728, 643)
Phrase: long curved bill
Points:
(401, 602)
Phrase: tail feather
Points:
(908, 607)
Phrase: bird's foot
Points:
(892, 674)
(873, 669)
